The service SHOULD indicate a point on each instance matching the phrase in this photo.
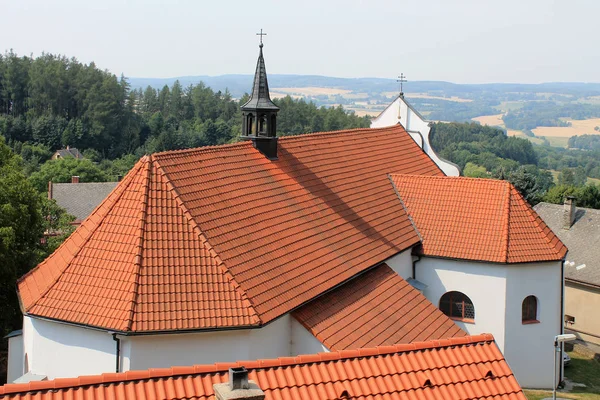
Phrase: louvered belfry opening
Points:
(259, 113)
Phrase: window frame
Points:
(464, 300)
(526, 312)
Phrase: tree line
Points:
(486, 152)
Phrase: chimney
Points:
(74, 179)
(119, 178)
(49, 190)
(569, 212)
(238, 387)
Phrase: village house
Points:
(79, 198)
(579, 229)
(69, 152)
(275, 247)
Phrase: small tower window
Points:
(250, 125)
(458, 305)
(529, 310)
(262, 128)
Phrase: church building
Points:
(277, 247)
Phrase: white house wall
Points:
(303, 342)
(529, 347)
(484, 284)
(61, 351)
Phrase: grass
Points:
(582, 370)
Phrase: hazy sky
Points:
(463, 41)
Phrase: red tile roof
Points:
(221, 236)
(476, 219)
(377, 309)
(470, 367)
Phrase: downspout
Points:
(414, 267)
(562, 318)
(118, 352)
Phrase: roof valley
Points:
(138, 258)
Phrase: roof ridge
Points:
(221, 265)
(282, 138)
(91, 232)
(140, 246)
(153, 373)
(506, 221)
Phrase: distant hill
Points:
(240, 84)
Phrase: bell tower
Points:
(259, 114)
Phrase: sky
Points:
(461, 41)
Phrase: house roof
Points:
(378, 309)
(476, 219)
(69, 152)
(470, 367)
(80, 199)
(583, 240)
(221, 237)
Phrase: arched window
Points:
(529, 310)
(262, 124)
(457, 305)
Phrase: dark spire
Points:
(259, 114)
(260, 97)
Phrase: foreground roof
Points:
(476, 219)
(470, 367)
(221, 236)
(583, 240)
(80, 199)
(377, 309)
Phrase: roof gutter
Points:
(582, 283)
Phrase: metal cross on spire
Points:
(401, 80)
(261, 34)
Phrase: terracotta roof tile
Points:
(379, 308)
(476, 219)
(221, 236)
(461, 368)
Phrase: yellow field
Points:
(278, 95)
(312, 91)
(491, 120)
(578, 127)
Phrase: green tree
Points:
(21, 228)
(63, 169)
(475, 171)
(57, 225)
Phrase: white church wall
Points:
(271, 341)
(401, 263)
(528, 347)
(61, 351)
(416, 126)
(15, 358)
(303, 342)
(163, 351)
(483, 283)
